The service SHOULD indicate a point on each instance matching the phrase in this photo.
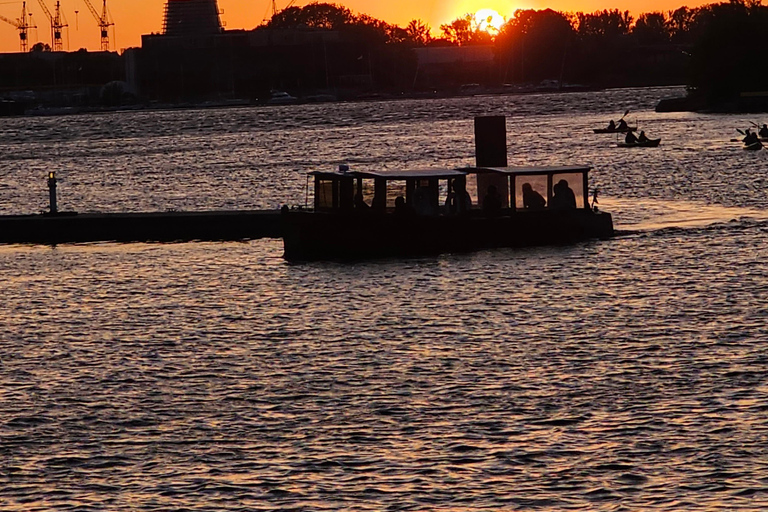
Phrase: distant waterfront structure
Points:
(191, 18)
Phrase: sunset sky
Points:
(135, 17)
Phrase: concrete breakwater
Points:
(170, 226)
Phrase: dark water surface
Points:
(627, 374)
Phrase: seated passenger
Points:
(622, 125)
(630, 138)
(492, 202)
(360, 203)
(763, 131)
(400, 208)
(563, 197)
(532, 200)
(612, 126)
(458, 201)
(421, 202)
(642, 137)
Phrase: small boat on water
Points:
(375, 214)
(754, 146)
(615, 130)
(650, 143)
(281, 98)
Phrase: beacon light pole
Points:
(52, 192)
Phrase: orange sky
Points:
(135, 17)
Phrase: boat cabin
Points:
(435, 191)
(381, 191)
(551, 183)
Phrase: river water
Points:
(627, 374)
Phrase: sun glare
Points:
(488, 20)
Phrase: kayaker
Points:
(622, 125)
(642, 138)
(763, 131)
(750, 137)
(630, 138)
(612, 126)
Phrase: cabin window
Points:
(324, 193)
(472, 188)
(538, 184)
(575, 182)
(488, 179)
(395, 189)
(366, 189)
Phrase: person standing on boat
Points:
(532, 200)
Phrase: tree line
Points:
(711, 48)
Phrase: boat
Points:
(650, 143)
(281, 98)
(400, 213)
(754, 146)
(624, 129)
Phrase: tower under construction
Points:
(191, 18)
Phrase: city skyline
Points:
(132, 19)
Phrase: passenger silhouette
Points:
(459, 201)
(532, 200)
(563, 197)
(642, 137)
(360, 203)
(630, 138)
(492, 202)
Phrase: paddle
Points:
(625, 114)
(741, 132)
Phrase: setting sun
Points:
(489, 20)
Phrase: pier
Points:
(64, 227)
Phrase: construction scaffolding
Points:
(191, 18)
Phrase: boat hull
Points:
(348, 236)
(647, 144)
(617, 130)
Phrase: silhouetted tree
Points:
(651, 28)
(40, 47)
(533, 45)
(314, 15)
(459, 31)
(607, 23)
(418, 33)
(723, 57)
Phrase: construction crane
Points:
(22, 24)
(57, 24)
(104, 23)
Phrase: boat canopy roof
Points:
(392, 174)
(531, 170)
(411, 174)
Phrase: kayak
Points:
(754, 146)
(615, 130)
(650, 143)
